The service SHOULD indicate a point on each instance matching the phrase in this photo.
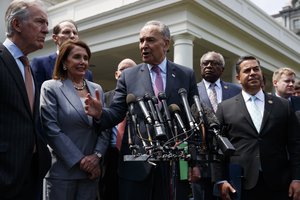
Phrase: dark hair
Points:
(242, 59)
(64, 51)
(57, 28)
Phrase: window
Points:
(296, 24)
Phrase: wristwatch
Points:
(98, 154)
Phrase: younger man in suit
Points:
(265, 133)
(283, 82)
(43, 66)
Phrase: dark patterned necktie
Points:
(213, 96)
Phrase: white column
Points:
(183, 49)
(3, 6)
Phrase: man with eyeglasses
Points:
(212, 90)
(43, 66)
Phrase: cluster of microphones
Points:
(167, 130)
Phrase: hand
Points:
(226, 189)
(90, 164)
(93, 106)
(294, 190)
(194, 174)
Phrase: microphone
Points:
(225, 145)
(157, 109)
(130, 100)
(151, 106)
(162, 97)
(158, 127)
(199, 108)
(142, 105)
(175, 110)
(183, 95)
(214, 126)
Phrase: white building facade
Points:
(230, 27)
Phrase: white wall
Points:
(3, 5)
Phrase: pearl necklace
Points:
(80, 88)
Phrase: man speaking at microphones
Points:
(141, 180)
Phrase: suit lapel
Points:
(144, 75)
(267, 111)
(14, 70)
(203, 95)
(243, 110)
(70, 94)
(170, 80)
(225, 88)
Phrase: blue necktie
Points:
(255, 113)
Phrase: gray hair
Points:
(213, 52)
(18, 9)
(164, 29)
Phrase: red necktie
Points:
(120, 133)
(28, 80)
(159, 87)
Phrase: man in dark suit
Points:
(24, 156)
(108, 184)
(265, 132)
(284, 84)
(141, 180)
(212, 65)
(42, 67)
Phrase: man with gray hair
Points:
(143, 180)
(24, 156)
(212, 90)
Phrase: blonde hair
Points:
(284, 70)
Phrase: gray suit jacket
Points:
(136, 80)
(43, 67)
(279, 137)
(70, 132)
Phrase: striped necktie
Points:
(213, 96)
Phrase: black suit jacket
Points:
(43, 67)
(278, 137)
(18, 131)
(137, 81)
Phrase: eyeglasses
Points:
(211, 62)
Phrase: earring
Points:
(64, 68)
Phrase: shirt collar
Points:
(12, 48)
(259, 95)
(162, 66)
(207, 84)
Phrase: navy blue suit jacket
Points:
(137, 81)
(228, 90)
(18, 132)
(43, 68)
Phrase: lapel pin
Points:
(225, 86)
(173, 75)
(270, 101)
